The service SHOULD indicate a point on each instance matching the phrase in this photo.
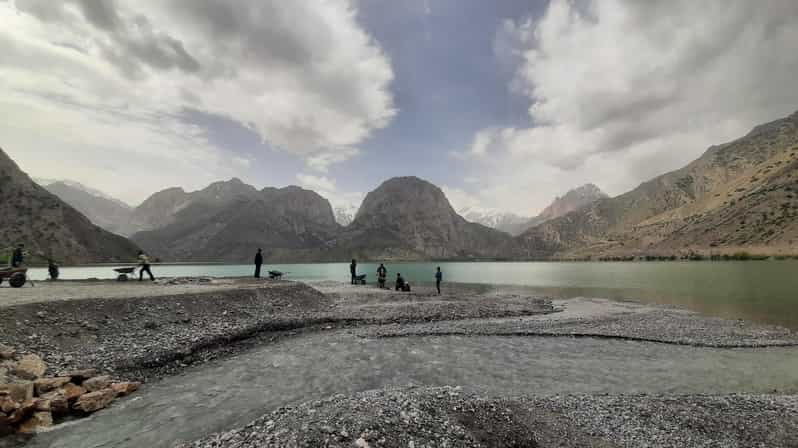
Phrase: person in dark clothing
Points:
(353, 270)
(400, 282)
(438, 279)
(258, 262)
(382, 275)
(144, 262)
(18, 257)
(52, 269)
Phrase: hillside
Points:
(739, 195)
(408, 218)
(48, 226)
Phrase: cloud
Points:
(112, 80)
(621, 90)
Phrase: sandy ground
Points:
(110, 289)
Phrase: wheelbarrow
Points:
(360, 279)
(17, 277)
(276, 275)
(124, 272)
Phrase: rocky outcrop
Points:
(738, 195)
(31, 402)
(409, 218)
(48, 226)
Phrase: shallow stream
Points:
(231, 392)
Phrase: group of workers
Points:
(400, 284)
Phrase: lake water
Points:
(762, 291)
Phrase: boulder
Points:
(44, 385)
(25, 410)
(97, 383)
(94, 401)
(37, 422)
(79, 376)
(125, 388)
(6, 352)
(18, 391)
(30, 367)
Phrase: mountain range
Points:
(742, 195)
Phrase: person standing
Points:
(353, 270)
(258, 262)
(438, 279)
(18, 257)
(382, 275)
(52, 269)
(144, 262)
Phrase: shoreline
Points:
(155, 336)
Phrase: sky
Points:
(504, 104)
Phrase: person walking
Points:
(18, 256)
(258, 262)
(144, 262)
(438, 279)
(353, 270)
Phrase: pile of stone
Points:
(31, 401)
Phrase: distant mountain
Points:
(573, 200)
(496, 219)
(344, 215)
(48, 226)
(110, 214)
(739, 195)
(408, 218)
(229, 220)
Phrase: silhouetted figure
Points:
(18, 257)
(258, 262)
(52, 269)
(353, 270)
(144, 262)
(438, 279)
(400, 282)
(382, 275)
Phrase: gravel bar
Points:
(449, 417)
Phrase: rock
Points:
(125, 388)
(30, 367)
(37, 422)
(79, 376)
(361, 442)
(72, 392)
(97, 383)
(41, 405)
(94, 401)
(6, 352)
(59, 405)
(41, 314)
(19, 391)
(26, 409)
(7, 405)
(44, 385)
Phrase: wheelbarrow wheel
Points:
(17, 280)
(121, 278)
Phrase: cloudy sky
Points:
(505, 104)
